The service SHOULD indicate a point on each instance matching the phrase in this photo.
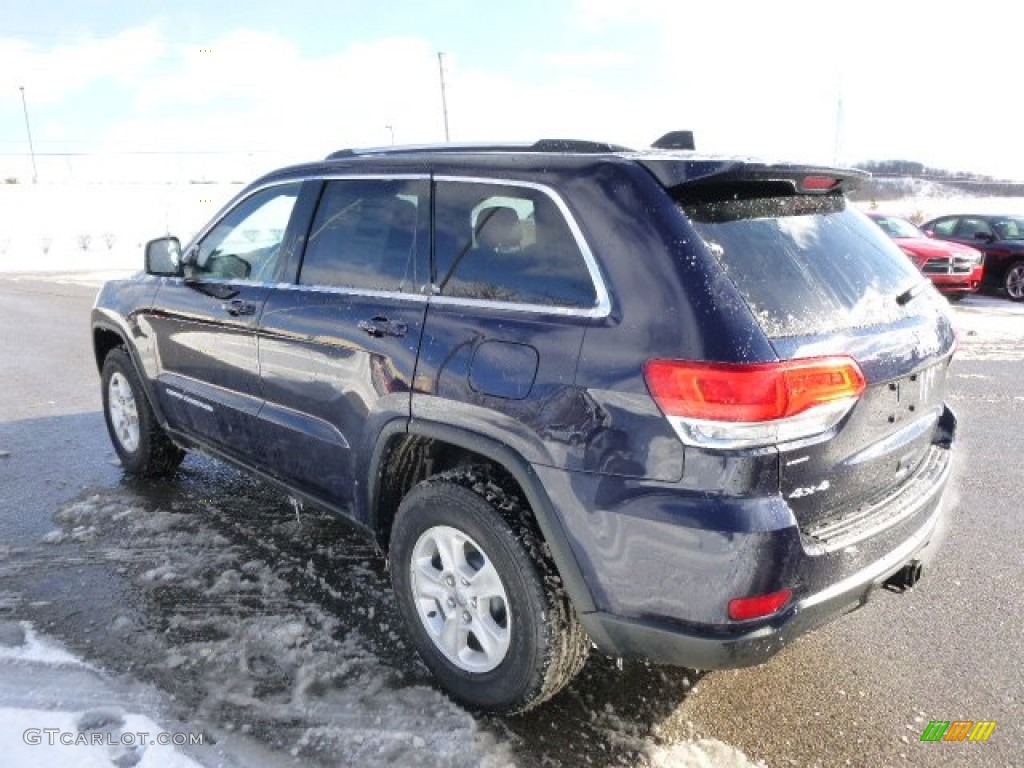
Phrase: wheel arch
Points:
(405, 454)
(106, 337)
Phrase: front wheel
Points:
(482, 601)
(142, 446)
(1013, 281)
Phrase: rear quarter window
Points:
(806, 265)
(508, 244)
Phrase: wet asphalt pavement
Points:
(858, 692)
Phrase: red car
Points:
(955, 269)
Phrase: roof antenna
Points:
(675, 140)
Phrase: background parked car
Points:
(1001, 238)
(955, 269)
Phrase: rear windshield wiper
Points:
(908, 295)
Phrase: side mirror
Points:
(163, 257)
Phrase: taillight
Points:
(743, 608)
(743, 405)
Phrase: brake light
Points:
(735, 405)
(818, 183)
(743, 608)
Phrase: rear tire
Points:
(143, 447)
(955, 298)
(482, 601)
(1013, 281)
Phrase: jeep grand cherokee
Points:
(671, 405)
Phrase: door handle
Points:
(239, 307)
(380, 326)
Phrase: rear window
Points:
(807, 264)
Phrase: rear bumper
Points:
(708, 648)
(662, 564)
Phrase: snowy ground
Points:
(989, 328)
(56, 710)
(270, 634)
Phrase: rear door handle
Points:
(380, 326)
(239, 307)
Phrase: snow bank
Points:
(109, 753)
(87, 721)
(92, 227)
(702, 753)
(926, 207)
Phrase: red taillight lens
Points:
(743, 608)
(755, 392)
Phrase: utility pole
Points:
(392, 129)
(28, 130)
(444, 97)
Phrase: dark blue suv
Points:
(670, 405)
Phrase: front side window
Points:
(246, 243)
(369, 235)
(508, 244)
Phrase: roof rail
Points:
(572, 146)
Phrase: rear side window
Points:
(509, 244)
(945, 227)
(369, 235)
(972, 228)
(805, 264)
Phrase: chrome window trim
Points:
(365, 292)
(602, 307)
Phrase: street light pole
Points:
(444, 98)
(392, 129)
(28, 130)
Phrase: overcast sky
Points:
(295, 79)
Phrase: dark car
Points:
(1000, 238)
(954, 269)
(676, 406)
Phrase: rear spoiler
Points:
(678, 171)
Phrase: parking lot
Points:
(275, 631)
